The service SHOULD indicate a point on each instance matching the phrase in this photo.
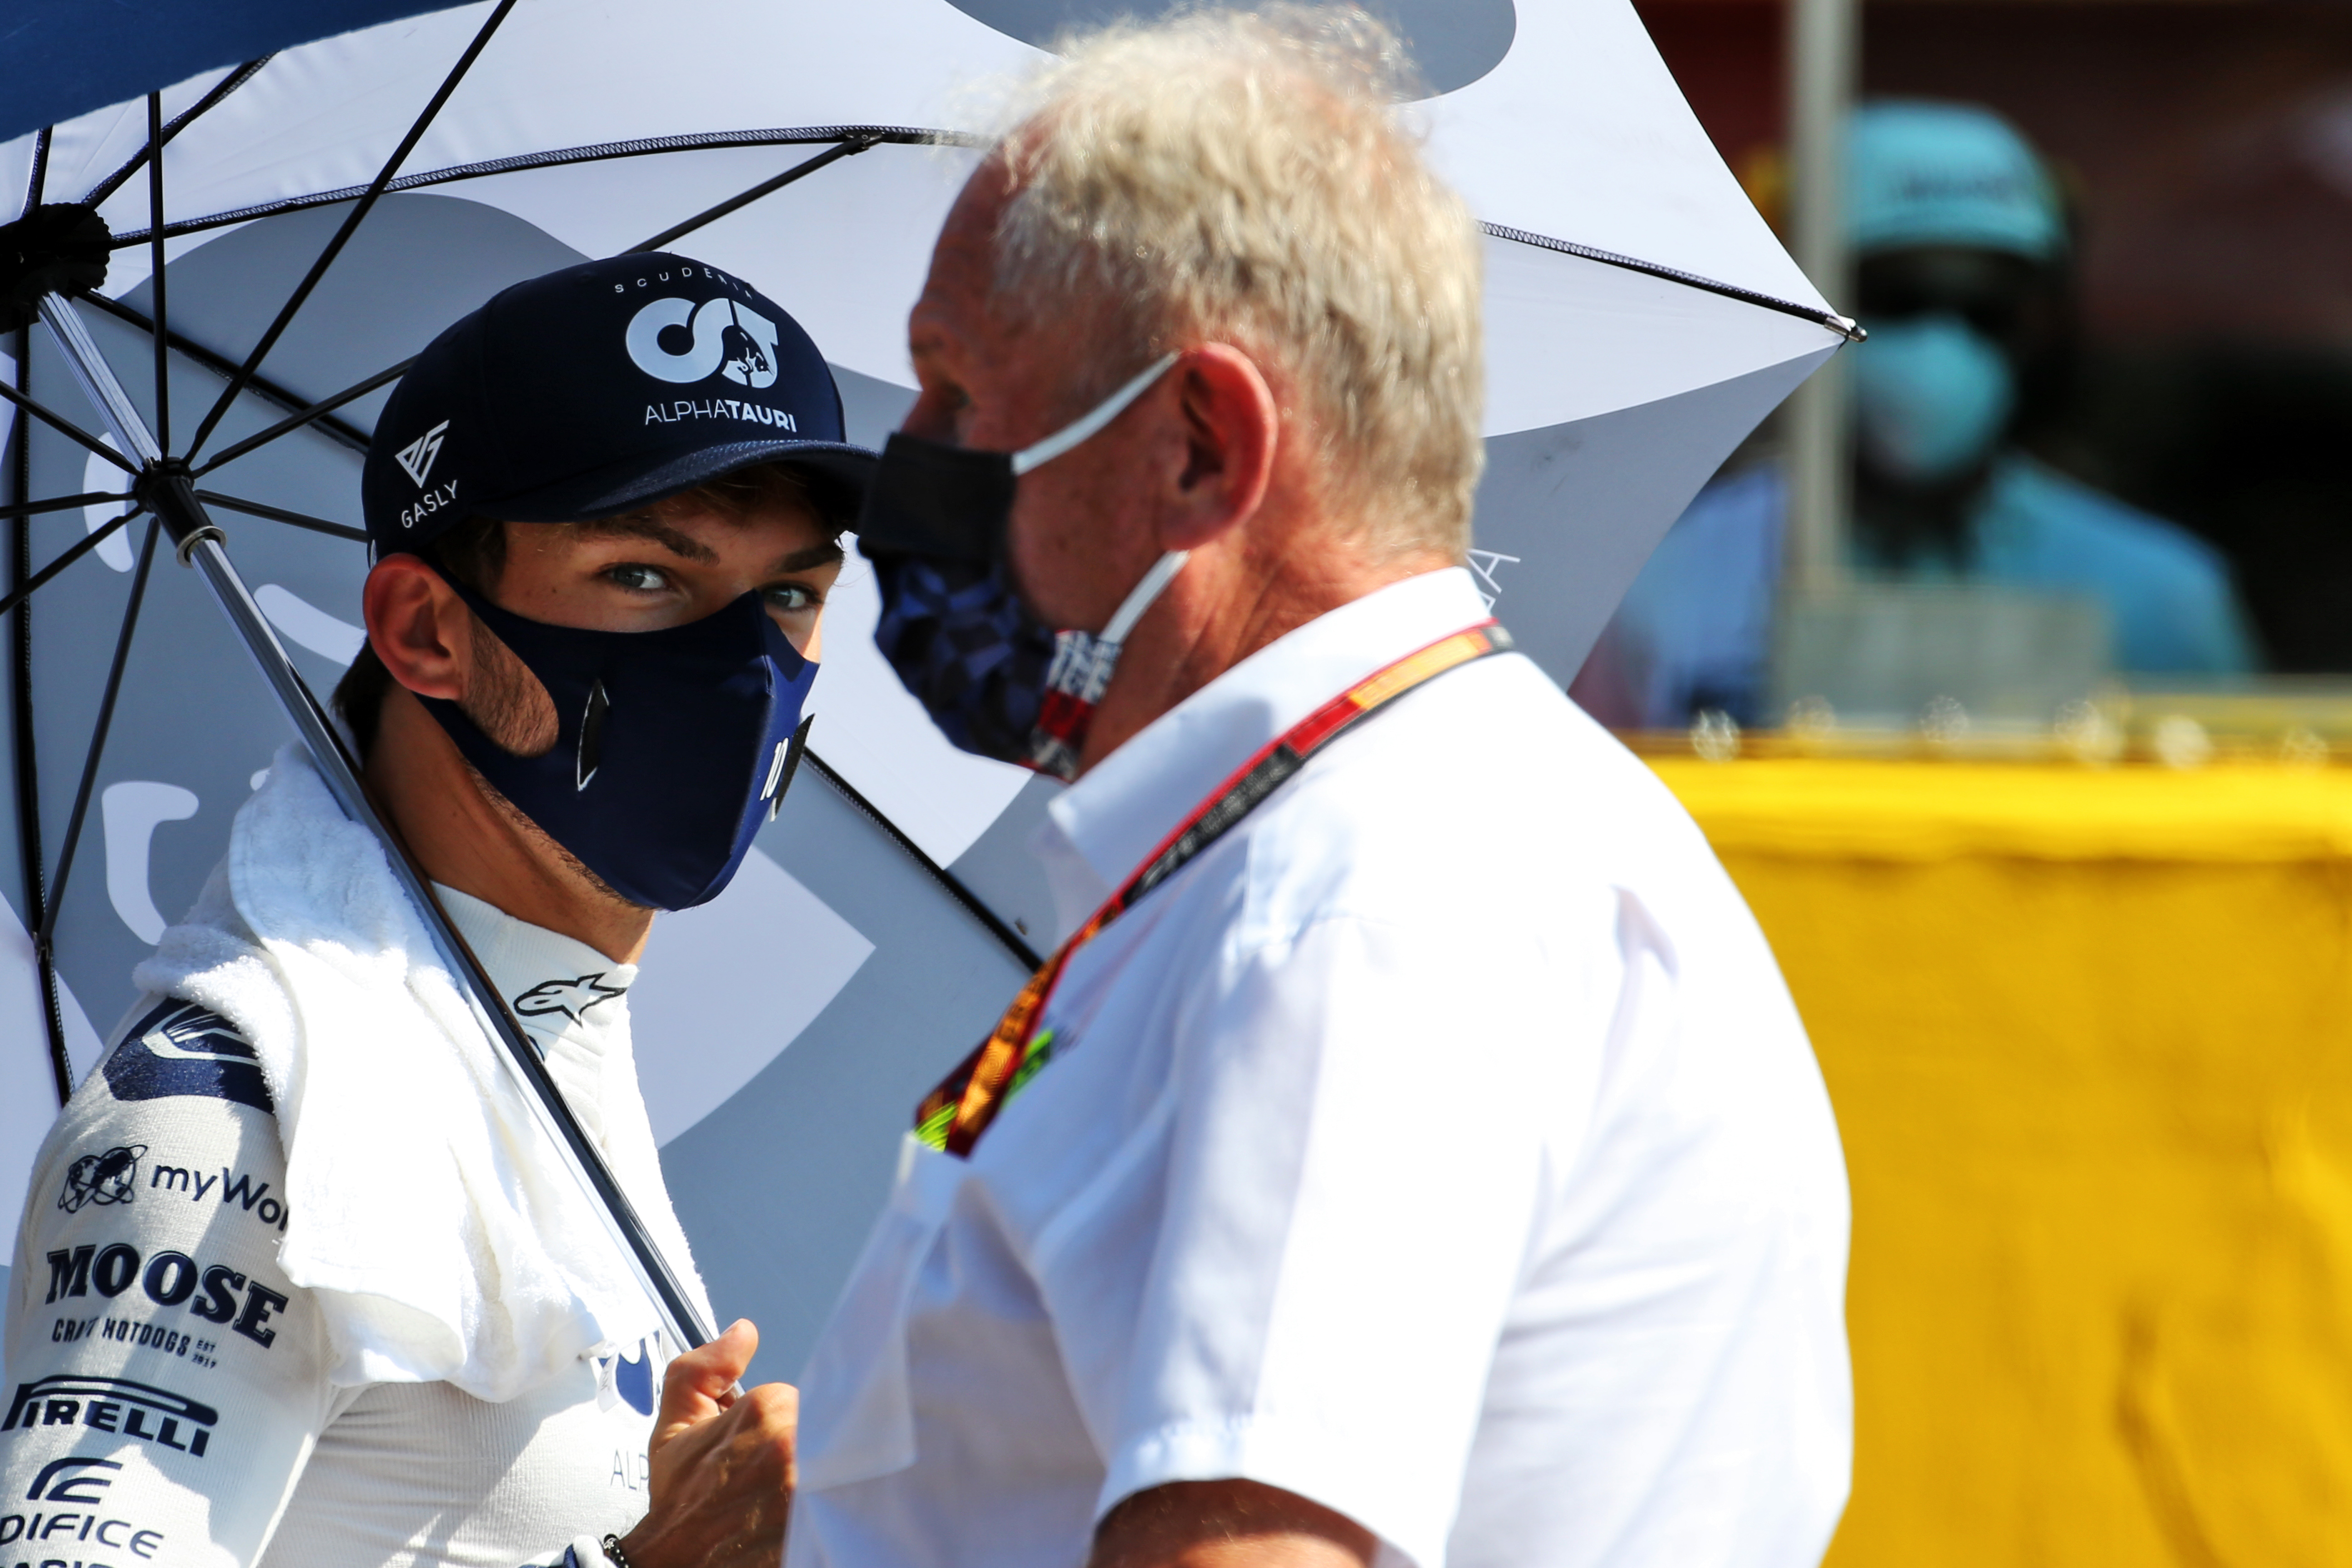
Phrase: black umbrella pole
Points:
(170, 494)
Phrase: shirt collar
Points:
(553, 982)
(1100, 828)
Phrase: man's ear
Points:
(1231, 423)
(418, 627)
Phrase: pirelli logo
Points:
(114, 1405)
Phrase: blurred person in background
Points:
(1964, 272)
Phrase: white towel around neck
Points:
(436, 1228)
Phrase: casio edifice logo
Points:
(65, 1486)
(416, 459)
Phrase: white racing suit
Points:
(168, 1391)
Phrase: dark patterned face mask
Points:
(965, 648)
(995, 679)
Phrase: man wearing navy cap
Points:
(1964, 261)
(300, 1283)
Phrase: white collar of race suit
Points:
(441, 1238)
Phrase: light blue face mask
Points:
(1931, 396)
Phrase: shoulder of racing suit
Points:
(164, 1378)
(166, 1384)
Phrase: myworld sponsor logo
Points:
(234, 1188)
(103, 1179)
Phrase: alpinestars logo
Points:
(569, 997)
(416, 459)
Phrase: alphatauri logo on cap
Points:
(416, 459)
(720, 335)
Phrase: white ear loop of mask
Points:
(1139, 599)
(1083, 662)
(1108, 409)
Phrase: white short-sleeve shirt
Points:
(1440, 1145)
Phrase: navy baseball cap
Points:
(597, 390)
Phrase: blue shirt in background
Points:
(1696, 630)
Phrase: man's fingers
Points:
(700, 1383)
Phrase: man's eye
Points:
(790, 597)
(639, 579)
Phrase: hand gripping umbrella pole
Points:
(165, 488)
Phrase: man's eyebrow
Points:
(637, 526)
(825, 554)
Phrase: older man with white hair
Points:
(1411, 1155)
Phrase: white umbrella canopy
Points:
(1640, 320)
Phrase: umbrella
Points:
(322, 204)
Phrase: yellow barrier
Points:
(2089, 1036)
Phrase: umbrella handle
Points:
(167, 490)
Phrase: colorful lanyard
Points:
(953, 1116)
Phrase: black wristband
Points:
(611, 1545)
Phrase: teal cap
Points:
(1948, 174)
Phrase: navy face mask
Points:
(993, 679)
(673, 746)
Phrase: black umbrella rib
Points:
(279, 514)
(561, 157)
(229, 84)
(316, 414)
(972, 901)
(20, 715)
(848, 148)
(32, 405)
(155, 262)
(37, 182)
(905, 135)
(350, 435)
(1820, 318)
(349, 227)
(47, 940)
(73, 552)
(59, 503)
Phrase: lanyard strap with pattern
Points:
(953, 1116)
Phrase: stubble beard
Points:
(511, 707)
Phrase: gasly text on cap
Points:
(597, 390)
